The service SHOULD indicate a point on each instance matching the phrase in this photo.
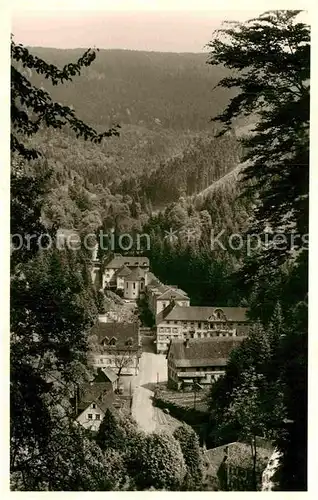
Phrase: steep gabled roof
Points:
(108, 374)
(152, 280)
(238, 454)
(121, 331)
(165, 313)
(158, 288)
(98, 391)
(202, 352)
(173, 293)
(198, 313)
(135, 275)
(123, 271)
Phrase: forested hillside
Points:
(166, 149)
(151, 89)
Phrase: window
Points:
(97, 416)
(113, 341)
(126, 284)
(90, 416)
(94, 405)
(134, 285)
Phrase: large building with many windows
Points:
(177, 322)
(200, 361)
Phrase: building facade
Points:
(116, 346)
(159, 295)
(135, 284)
(198, 360)
(93, 398)
(116, 263)
(178, 322)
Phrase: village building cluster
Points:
(175, 319)
(197, 341)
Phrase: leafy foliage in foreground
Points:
(52, 303)
(151, 460)
(32, 107)
(271, 56)
(193, 457)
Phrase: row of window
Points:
(106, 361)
(134, 285)
(201, 324)
(201, 369)
(113, 341)
(201, 335)
(112, 362)
(90, 416)
(168, 330)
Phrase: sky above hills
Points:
(156, 26)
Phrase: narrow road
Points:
(153, 367)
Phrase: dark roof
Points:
(98, 391)
(202, 352)
(198, 313)
(135, 275)
(173, 293)
(158, 288)
(238, 454)
(152, 279)
(118, 261)
(123, 332)
(123, 271)
(109, 374)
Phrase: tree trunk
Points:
(254, 457)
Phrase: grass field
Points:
(186, 399)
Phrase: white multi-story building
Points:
(178, 322)
(135, 284)
(117, 263)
